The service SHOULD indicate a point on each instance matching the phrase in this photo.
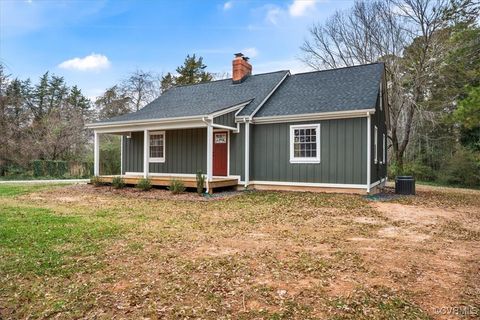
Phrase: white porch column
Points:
(96, 153)
(146, 154)
(121, 155)
(369, 150)
(209, 152)
(247, 153)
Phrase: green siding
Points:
(237, 152)
(227, 119)
(186, 152)
(343, 157)
(133, 153)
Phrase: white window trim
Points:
(162, 159)
(375, 144)
(293, 159)
(384, 148)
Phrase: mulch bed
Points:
(155, 193)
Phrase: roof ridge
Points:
(341, 68)
(253, 75)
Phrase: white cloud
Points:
(250, 52)
(272, 14)
(277, 14)
(300, 7)
(228, 5)
(88, 63)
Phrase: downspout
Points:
(247, 152)
(369, 150)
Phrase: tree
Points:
(140, 87)
(45, 121)
(192, 71)
(468, 111)
(112, 103)
(407, 35)
(77, 100)
(167, 82)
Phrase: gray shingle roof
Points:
(344, 89)
(205, 98)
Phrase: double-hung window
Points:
(305, 143)
(157, 146)
(375, 144)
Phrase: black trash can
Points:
(405, 185)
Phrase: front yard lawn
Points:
(80, 251)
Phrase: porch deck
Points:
(189, 182)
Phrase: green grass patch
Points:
(36, 240)
(12, 190)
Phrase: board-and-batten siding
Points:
(186, 152)
(342, 146)
(227, 119)
(343, 157)
(133, 153)
(237, 152)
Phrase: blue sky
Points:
(96, 43)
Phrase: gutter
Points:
(315, 116)
(112, 124)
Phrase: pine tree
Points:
(167, 82)
(192, 71)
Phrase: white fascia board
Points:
(115, 124)
(315, 116)
(219, 126)
(154, 126)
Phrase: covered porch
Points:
(172, 149)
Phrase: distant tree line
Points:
(46, 120)
(40, 121)
(431, 52)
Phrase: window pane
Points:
(156, 145)
(305, 143)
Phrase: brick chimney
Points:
(241, 68)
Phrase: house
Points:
(322, 130)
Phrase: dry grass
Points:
(252, 255)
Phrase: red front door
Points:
(220, 153)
